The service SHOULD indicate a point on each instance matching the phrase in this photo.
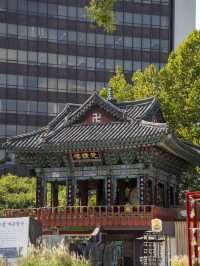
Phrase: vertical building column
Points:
(41, 192)
(108, 190)
(71, 193)
(141, 183)
(83, 191)
(54, 194)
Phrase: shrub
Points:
(58, 256)
(180, 261)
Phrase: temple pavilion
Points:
(123, 155)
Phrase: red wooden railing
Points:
(139, 216)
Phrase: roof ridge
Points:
(136, 102)
(153, 124)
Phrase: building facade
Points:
(51, 54)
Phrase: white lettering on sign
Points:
(96, 118)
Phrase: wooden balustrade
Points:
(125, 215)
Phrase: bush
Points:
(58, 256)
(180, 261)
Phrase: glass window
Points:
(137, 18)
(32, 82)
(22, 31)
(128, 42)
(100, 39)
(32, 107)
(128, 18)
(3, 5)
(42, 33)
(12, 55)
(137, 43)
(90, 86)
(81, 86)
(11, 130)
(71, 60)
(62, 60)
(52, 84)
(72, 12)
(71, 85)
(3, 55)
(42, 8)
(147, 19)
(91, 38)
(12, 29)
(22, 56)
(22, 5)
(62, 35)
(164, 45)
(32, 57)
(119, 18)
(145, 65)
(118, 41)
(128, 66)
(12, 81)
(62, 84)
(52, 34)
(32, 32)
(72, 36)
(3, 29)
(42, 107)
(52, 10)
(81, 13)
(81, 62)
(100, 63)
(109, 41)
(22, 106)
(164, 21)
(110, 64)
(21, 129)
(2, 80)
(145, 43)
(12, 5)
(2, 127)
(61, 106)
(52, 108)
(11, 105)
(2, 105)
(155, 20)
(42, 83)
(136, 65)
(90, 62)
(81, 37)
(21, 82)
(42, 58)
(155, 44)
(32, 7)
(62, 11)
(52, 59)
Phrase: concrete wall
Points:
(184, 19)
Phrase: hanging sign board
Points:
(156, 225)
(86, 156)
(14, 237)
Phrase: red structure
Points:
(192, 199)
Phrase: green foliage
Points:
(176, 85)
(180, 261)
(101, 11)
(17, 192)
(51, 257)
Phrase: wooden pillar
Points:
(71, 194)
(54, 194)
(41, 192)
(108, 189)
(141, 182)
(83, 191)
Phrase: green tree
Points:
(17, 192)
(101, 11)
(176, 85)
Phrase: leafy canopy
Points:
(17, 192)
(176, 85)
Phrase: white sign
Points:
(14, 237)
(156, 225)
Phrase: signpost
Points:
(14, 237)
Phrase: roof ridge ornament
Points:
(110, 94)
